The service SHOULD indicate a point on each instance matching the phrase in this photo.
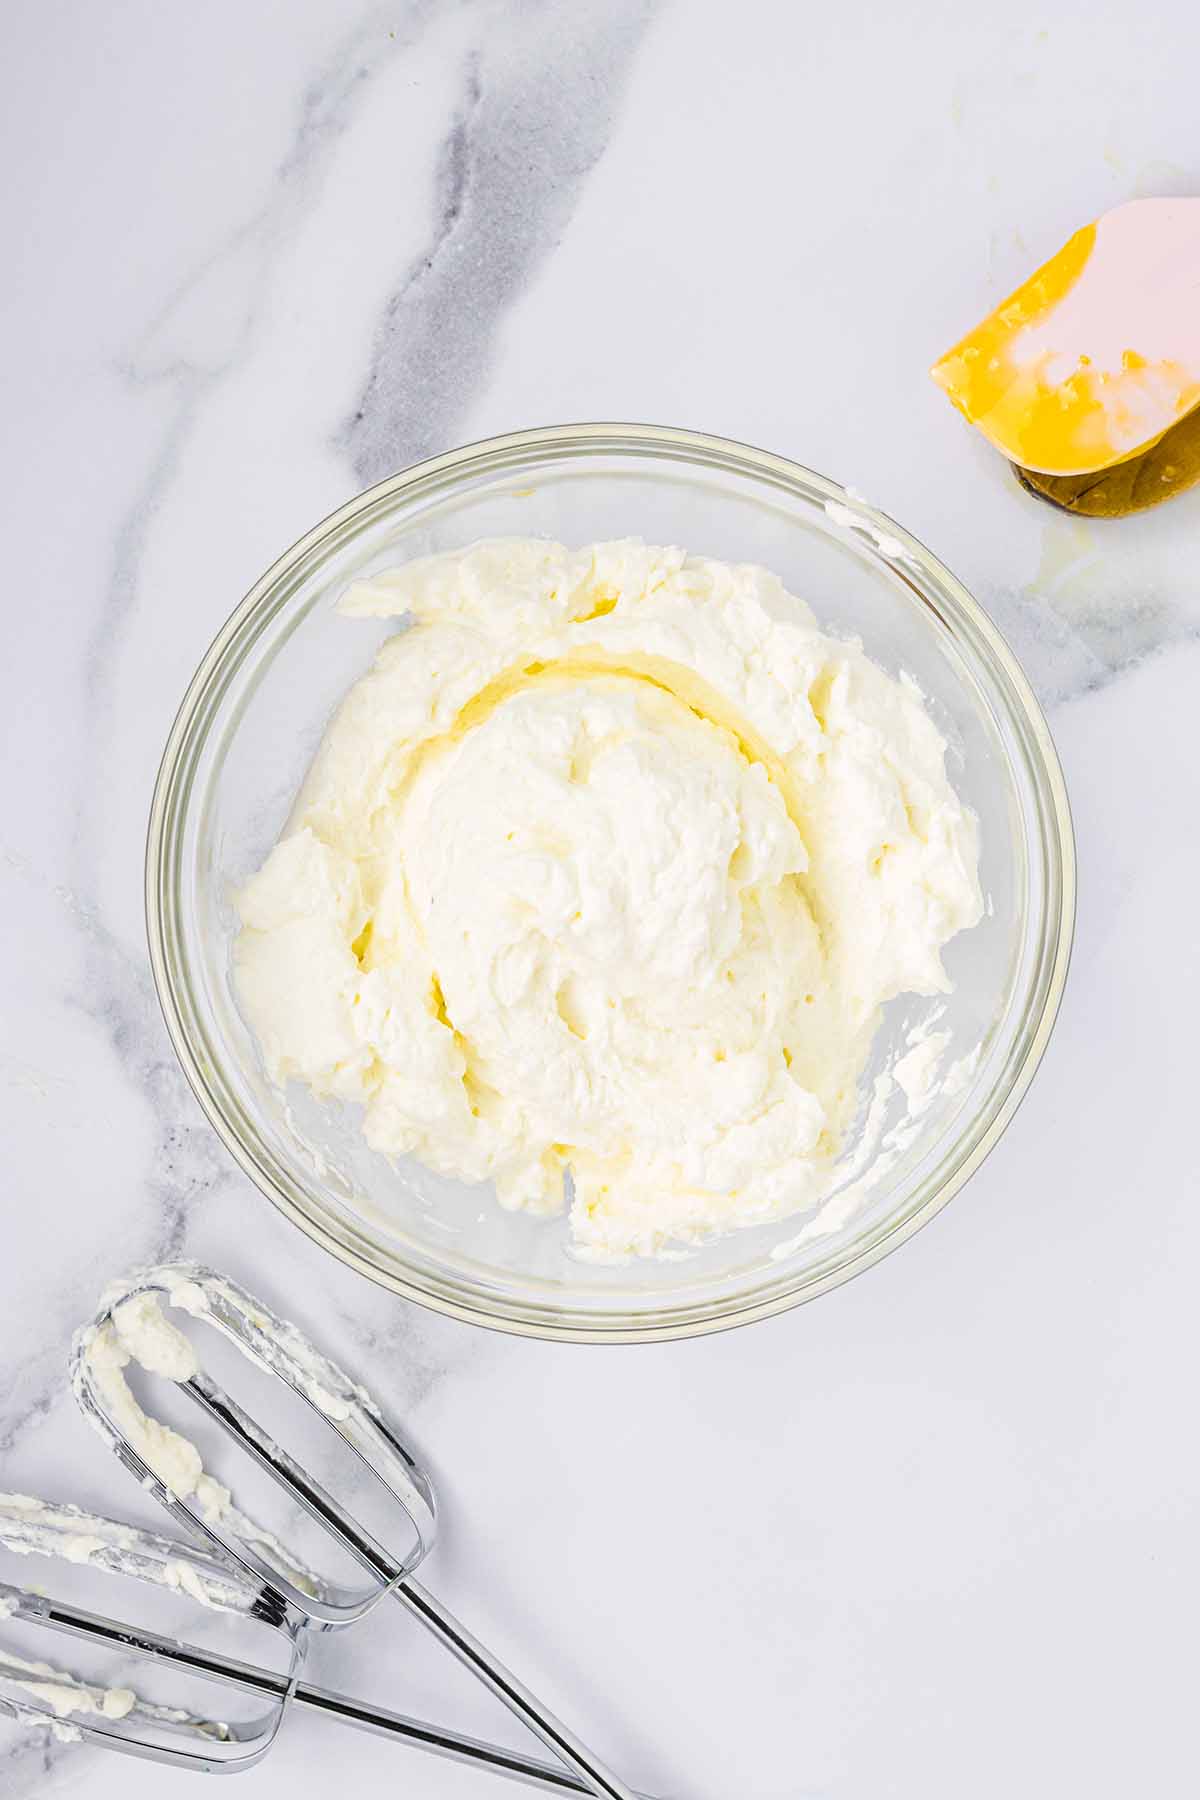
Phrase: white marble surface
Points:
(935, 1534)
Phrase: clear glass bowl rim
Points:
(436, 475)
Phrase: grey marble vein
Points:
(538, 99)
(28, 1760)
(114, 987)
(186, 1160)
(1071, 654)
(325, 113)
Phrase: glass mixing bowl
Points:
(256, 710)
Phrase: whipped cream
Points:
(607, 866)
(137, 1331)
(59, 1692)
(33, 1527)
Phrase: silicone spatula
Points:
(1094, 357)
